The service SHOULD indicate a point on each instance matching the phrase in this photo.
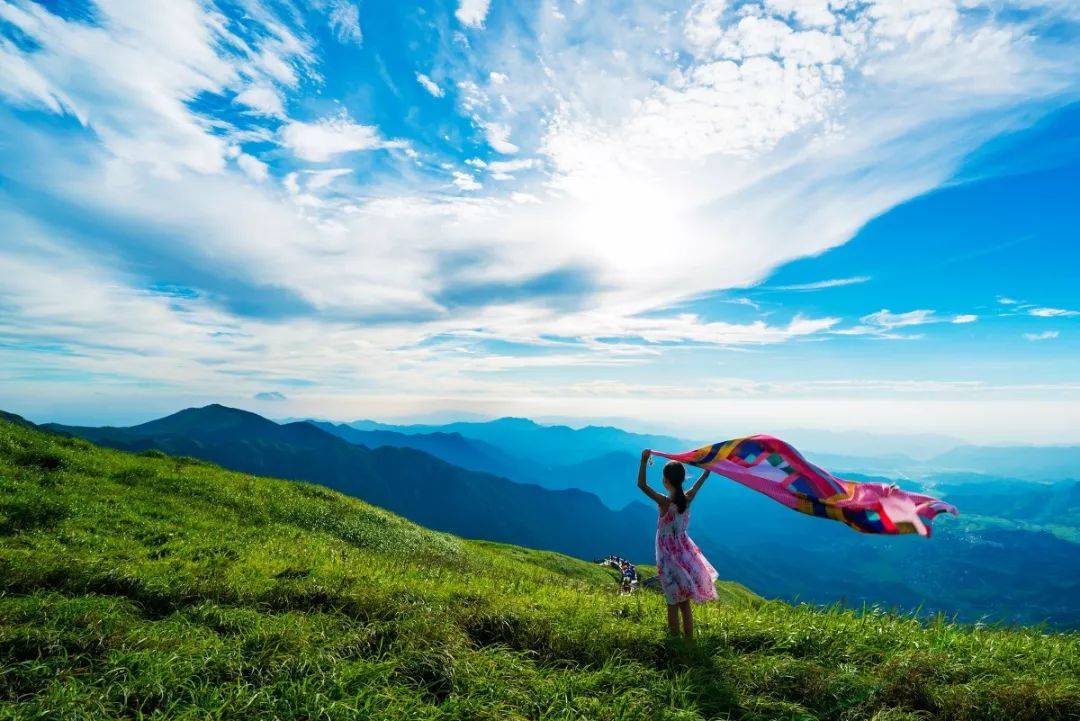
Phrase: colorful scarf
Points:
(770, 466)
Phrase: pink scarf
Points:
(770, 466)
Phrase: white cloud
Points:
(25, 86)
(822, 284)
(1044, 335)
(887, 319)
(497, 78)
(473, 96)
(884, 323)
(813, 13)
(703, 23)
(504, 169)
(1007, 301)
(965, 318)
(1052, 312)
(253, 167)
(429, 85)
(345, 22)
(511, 166)
(292, 186)
(472, 13)
(498, 137)
(326, 138)
(318, 179)
(264, 99)
(792, 135)
(464, 181)
(129, 76)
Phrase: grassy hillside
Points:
(158, 587)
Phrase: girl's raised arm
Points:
(696, 487)
(661, 500)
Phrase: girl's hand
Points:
(645, 455)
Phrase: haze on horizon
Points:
(706, 218)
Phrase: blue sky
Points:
(706, 217)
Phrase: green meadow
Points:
(152, 587)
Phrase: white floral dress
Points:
(685, 573)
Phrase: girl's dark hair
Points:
(675, 473)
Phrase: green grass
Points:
(150, 587)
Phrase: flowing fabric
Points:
(685, 573)
(770, 466)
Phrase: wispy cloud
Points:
(429, 85)
(1052, 312)
(1044, 335)
(964, 318)
(823, 284)
(345, 21)
(498, 137)
(322, 140)
(884, 322)
(757, 388)
(144, 117)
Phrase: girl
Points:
(685, 574)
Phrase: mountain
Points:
(149, 586)
(13, 418)
(1036, 463)
(550, 446)
(410, 482)
(610, 476)
(902, 446)
(451, 447)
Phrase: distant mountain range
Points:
(611, 474)
(1036, 463)
(562, 447)
(451, 447)
(878, 444)
(1014, 554)
(547, 445)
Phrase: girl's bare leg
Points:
(687, 619)
(673, 620)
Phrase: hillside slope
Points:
(136, 586)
